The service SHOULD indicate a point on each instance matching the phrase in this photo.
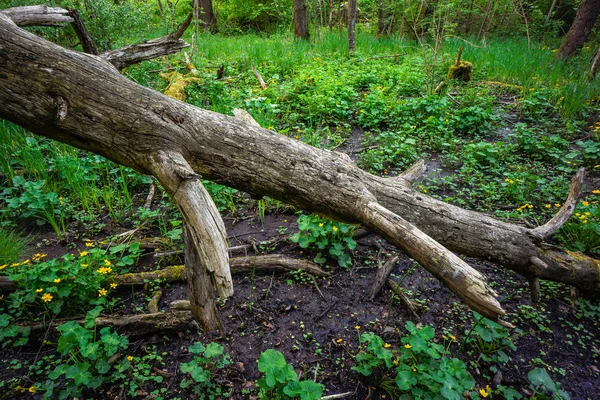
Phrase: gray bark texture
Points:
(83, 101)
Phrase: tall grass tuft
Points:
(12, 246)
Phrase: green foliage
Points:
(327, 237)
(280, 381)
(28, 199)
(541, 383)
(582, 231)
(67, 285)
(85, 362)
(200, 371)
(419, 369)
(11, 333)
(12, 246)
(489, 340)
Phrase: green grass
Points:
(12, 246)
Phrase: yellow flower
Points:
(396, 361)
(557, 205)
(129, 358)
(407, 346)
(89, 244)
(15, 265)
(47, 297)
(84, 265)
(106, 262)
(102, 292)
(335, 228)
(32, 389)
(483, 393)
(387, 345)
(452, 337)
(26, 262)
(57, 280)
(357, 327)
(321, 225)
(113, 285)
(84, 253)
(3, 266)
(585, 203)
(40, 290)
(548, 205)
(340, 340)
(414, 369)
(596, 191)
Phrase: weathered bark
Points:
(587, 15)
(301, 19)
(82, 33)
(133, 326)
(38, 16)
(352, 11)
(80, 100)
(383, 272)
(177, 273)
(149, 49)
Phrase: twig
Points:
(317, 287)
(150, 197)
(337, 396)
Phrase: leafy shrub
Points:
(419, 369)
(280, 381)
(582, 231)
(322, 234)
(85, 360)
(201, 369)
(70, 284)
(390, 150)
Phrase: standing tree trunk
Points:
(352, 11)
(207, 15)
(380, 18)
(301, 19)
(582, 26)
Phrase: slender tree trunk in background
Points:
(352, 11)
(551, 10)
(586, 17)
(331, 12)
(207, 15)
(380, 18)
(301, 19)
(595, 63)
(469, 19)
(487, 12)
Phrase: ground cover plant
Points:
(506, 143)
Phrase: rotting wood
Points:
(135, 325)
(177, 273)
(153, 303)
(107, 114)
(408, 303)
(383, 272)
(259, 78)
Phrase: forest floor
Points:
(505, 144)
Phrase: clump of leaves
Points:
(86, 360)
(70, 284)
(201, 369)
(418, 369)
(280, 381)
(329, 238)
(582, 231)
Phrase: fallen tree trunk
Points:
(177, 273)
(83, 101)
(135, 325)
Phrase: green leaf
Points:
(213, 350)
(272, 364)
(539, 376)
(197, 348)
(405, 380)
(307, 390)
